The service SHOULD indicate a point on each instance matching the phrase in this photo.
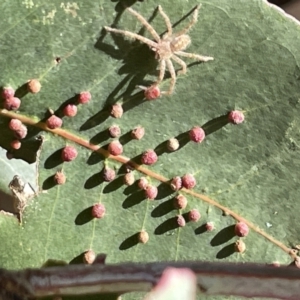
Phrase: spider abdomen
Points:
(180, 42)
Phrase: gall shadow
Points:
(201, 229)
(122, 4)
(28, 151)
(53, 160)
(226, 251)
(138, 61)
(134, 199)
(215, 124)
(137, 159)
(163, 208)
(96, 119)
(54, 263)
(100, 137)
(129, 242)
(84, 216)
(72, 100)
(166, 226)
(95, 158)
(130, 189)
(125, 138)
(113, 185)
(78, 260)
(48, 183)
(223, 236)
(163, 190)
(94, 180)
(21, 91)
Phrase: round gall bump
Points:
(114, 131)
(194, 215)
(21, 132)
(109, 174)
(98, 210)
(180, 202)
(180, 221)
(138, 133)
(15, 124)
(12, 103)
(188, 181)
(236, 117)
(7, 92)
(129, 178)
(149, 157)
(173, 144)
(143, 183)
(34, 86)
(176, 183)
(89, 257)
(115, 148)
(152, 92)
(209, 226)
(151, 192)
(116, 111)
(70, 110)
(54, 122)
(197, 134)
(240, 246)
(143, 237)
(84, 97)
(15, 144)
(241, 229)
(60, 178)
(68, 153)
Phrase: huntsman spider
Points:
(166, 48)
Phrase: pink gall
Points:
(188, 181)
(68, 153)
(236, 117)
(197, 134)
(84, 97)
(115, 148)
(149, 157)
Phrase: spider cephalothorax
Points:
(168, 47)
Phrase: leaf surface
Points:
(249, 169)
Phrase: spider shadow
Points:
(138, 61)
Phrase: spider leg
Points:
(191, 24)
(195, 56)
(145, 23)
(173, 77)
(162, 71)
(167, 21)
(180, 62)
(134, 36)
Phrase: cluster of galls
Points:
(10, 102)
(70, 110)
(148, 157)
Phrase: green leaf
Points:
(249, 169)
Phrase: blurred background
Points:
(292, 7)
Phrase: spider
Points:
(168, 47)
